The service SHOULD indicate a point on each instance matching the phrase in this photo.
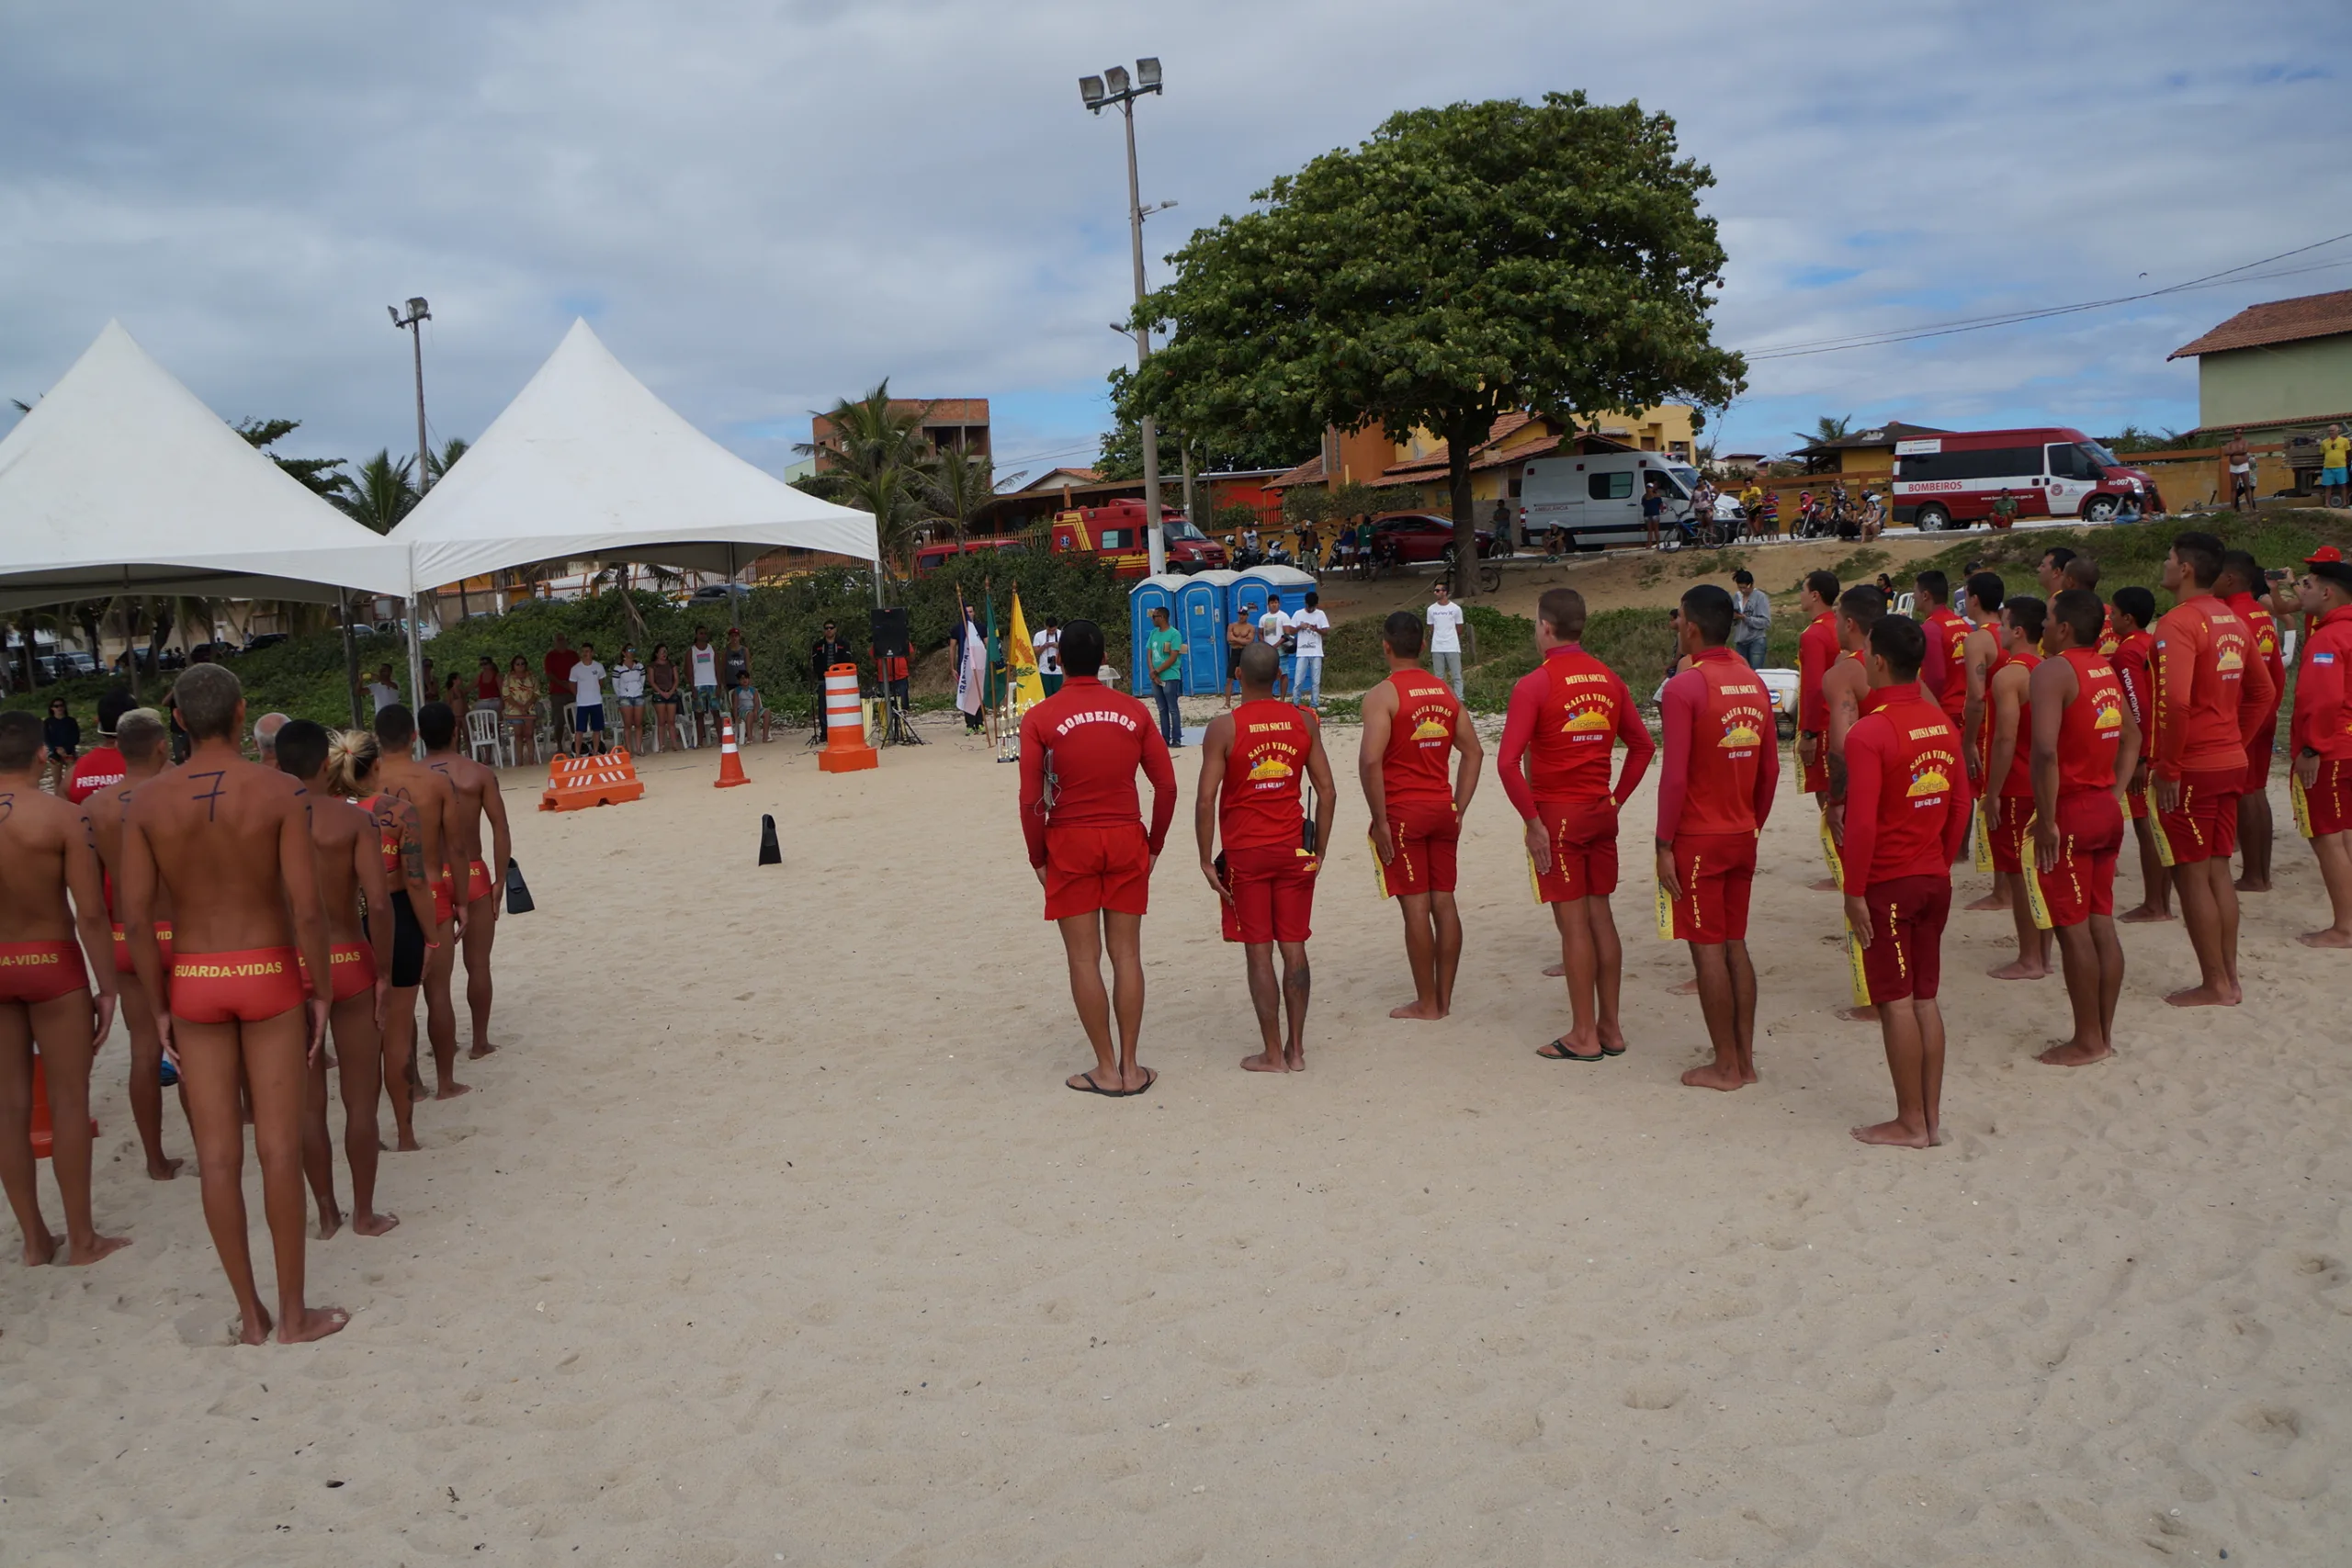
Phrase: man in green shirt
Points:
(1163, 653)
(2005, 509)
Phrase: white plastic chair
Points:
(486, 727)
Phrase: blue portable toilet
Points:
(1201, 610)
(1285, 585)
(1151, 593)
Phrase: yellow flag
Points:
(1021, 662)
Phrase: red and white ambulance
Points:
(1952, 480)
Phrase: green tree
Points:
(320, 476)
(958, 486)
(1463, 263)
(1120, 455)
(1826, 429)
(380, 494)
(875, 458)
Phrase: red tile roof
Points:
(1310, 472)
(2280, 321)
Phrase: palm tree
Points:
(875, 459)
(380, 494)
(1827, 428)
(960, 485)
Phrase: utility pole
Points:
(414, 323)
(1091, 90)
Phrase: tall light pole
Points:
(1099, 93)
(413, 323)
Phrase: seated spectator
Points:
(747, 706)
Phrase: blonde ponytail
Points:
(352, 756)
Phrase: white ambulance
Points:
(1597, 497)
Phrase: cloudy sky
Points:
(762, 207)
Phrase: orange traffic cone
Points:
(731, 762)
(845, 749)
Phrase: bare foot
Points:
(2145, 914)
(255, 1332)
(1857, 1015)
(1424, 1012)
(1990, 901)
(1264, 1061)
(2073, 1054)
(451, 1089)
(100, 1247)
(1295, 1060)
(1713, 1076)
(1826, 885)
(374, 1224)
(1894, 1134)
(330, 1221)
(316, 1323)
(478, 1051)
(2018, 969)
(2202, 996)
(2331, 937)
(406, 1143)
(1747, 1075)
(2248, 885)
(163, 1170)
(1556, 972)
(1688, 988)
(40, 1249)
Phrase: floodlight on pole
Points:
(1099, 93)
(414, 324)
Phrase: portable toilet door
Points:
(1201, 611)
(1287, 586)
(1151, 593)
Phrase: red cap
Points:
(2324, 555)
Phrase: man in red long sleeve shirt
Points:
(2211, 685)
(1943, 674)
(2240, 578)
(1080, 750)
(2320, 737)
(2134, 611)
(1816, 652)
(1714, 792)
(2084, 744)
(1413, 728)
(1906, 815)
(1565, 719)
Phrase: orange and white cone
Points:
(730, 764)
(845, 749)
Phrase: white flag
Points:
(972, 674)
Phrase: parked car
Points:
(1419, 536)
(213, 652)
(718, 593)
(266, 639)
(66, 664)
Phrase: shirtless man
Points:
(146, 752)
(1714, 794)
(478, 796)
(2133, 612)
(2205, 666)
(354, 758)
(1090, 850)
(1981, 652)
(1413, 727)
(350, 868)
(1251, 763)
(1565, 719)
(2320, 738)
(1816, 651)
(2238, 461)
(2008, 780)
(46, 997)
(401, 777)
(2240, 582)
(1843, 692)
(2085, 742)
(229, 840)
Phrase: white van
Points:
(1597, 497)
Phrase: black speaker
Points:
(889, 629)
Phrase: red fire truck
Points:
(1116, 531)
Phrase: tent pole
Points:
(350, 656)
(734, 599)
(415, 644)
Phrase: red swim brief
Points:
(1425, 839)
(1716, 871)
(1905, 958)
(2011, 839)
(1097, 868)
(441, 906)
(477, 883)
(2082, 883)
(2205, 824)
(36, 972)
(236, 988)
(122, 965)
(353, 969)
(1274, 895)
(1583, 839)
(2326, 806)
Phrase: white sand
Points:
(771, 1236)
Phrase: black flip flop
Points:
(1091, 1087)
(1607, 1051)
(1146, 1084)
(1563, 1054)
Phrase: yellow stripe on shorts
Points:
(1379, 872)
(1829, 853)
(1665, 915)
(2036, 902)
(2155, 820)
(1860, 972)
(2302, 802)
(1983, 828)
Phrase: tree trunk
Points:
(1459, 440)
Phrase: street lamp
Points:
(414, 324)
(1099, 93)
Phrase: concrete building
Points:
(2278, 371)
(950, 425)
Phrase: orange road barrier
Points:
(845, 749)
(575, 783)
(44, 1128)
(730, 761)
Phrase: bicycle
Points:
(1490, 578)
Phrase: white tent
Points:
(121, 481)
(586, 464)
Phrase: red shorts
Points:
(2257, 756)
(2206, 824)
(1812, 778)
(1583, 839)
(2090, 836)
(36, 972)
(353, 971)
(441, 906)
(1274, 895)
(2011, 839)
(1097, 868)
(2326, 806)
(1905, 958)
(478, 884)
(2138, 800)
(236, 988)
(1716, 871)
(1425, 837)
(122, 965)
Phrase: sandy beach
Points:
(770, 1235)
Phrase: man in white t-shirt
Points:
(380, 691)
(1309, 626)
(702, 661)
(588, 697)
(1444, 619)
(1272, 626)
(1048, 645)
